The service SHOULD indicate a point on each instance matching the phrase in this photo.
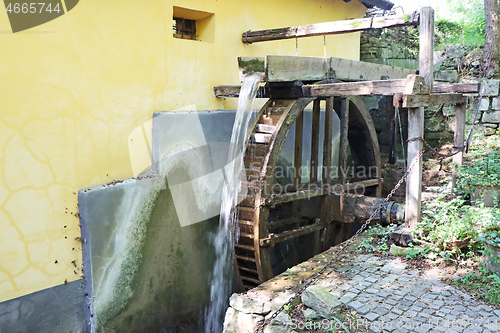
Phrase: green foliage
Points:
(482, 172)
(417, 251)
(467, 25)
(377, 240)
(486, 284)
(447, 222)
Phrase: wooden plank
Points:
(415, 84)
(272, 239)
(344, 144)
(327, 142)
(328, 28)
(392, 135)
(416, 101)
(315, 141)
(364, 183)
(309, 191)
(457, 88)
(426, 52)
(234, 91)
(380, 87)
(414, 179)
(297, 158)
(458, 139)
(287, 222)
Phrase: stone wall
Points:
(388, 48)
(440, 122)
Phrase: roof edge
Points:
(383, 4)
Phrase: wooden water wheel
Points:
(295, 223)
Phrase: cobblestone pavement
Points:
(389, 297)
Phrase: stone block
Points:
(281, 299)
(450, 124)
(495, 103)
(449, 110)
(280, 324)
(484, 104)
(309, 314)
(454, 51)
(399, 251)
(320, 300)
(433, 125)
(491, 87)
(477, 128)
(439, 136)
(489, 131)
(450, 76)
(491, 117)
(247, 304)
(237, 322)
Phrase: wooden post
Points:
(392, 135)
(426, 52)
(298, 148)
(416, 121)
(414, 179)
(459, 138)
(344, 144)
(326, 201)
(315, 140)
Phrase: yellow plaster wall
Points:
(73, 89)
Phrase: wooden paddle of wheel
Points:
(266, 218)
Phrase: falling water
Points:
(225, 236)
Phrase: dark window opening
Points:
(184, 28)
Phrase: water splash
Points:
(226, 235)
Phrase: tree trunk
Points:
(489, 63)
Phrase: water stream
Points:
(226, 234)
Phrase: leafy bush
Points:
(483, 172)
(448, 222)
(467, 25)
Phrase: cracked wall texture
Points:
(73, 89)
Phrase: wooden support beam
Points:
(330, 28)
(364, 183)
(416, 121)
(426, 52)
(234, 91)
(381, 87)
(392, 134)
(297, 157)
(449, 92)
(315, 141)
(326, 215)
(317, 189)
(458, 139)
(272, 239)
(310, 190)
(416, 101)
(327, 142)
(414, 179)
(457, 88)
